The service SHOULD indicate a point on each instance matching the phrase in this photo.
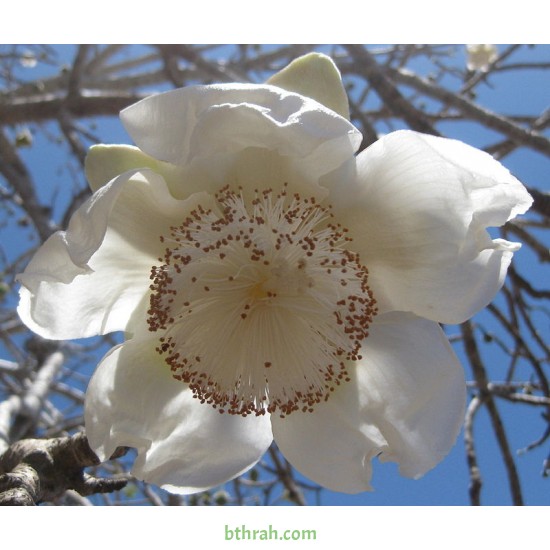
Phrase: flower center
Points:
(260, 304)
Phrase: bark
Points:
(40, 470)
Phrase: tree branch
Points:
(43, 107)
(17, 175)
(516, 133)
(487, 399)
(40, 470)
(388, 92)
(469, 441)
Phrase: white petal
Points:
(205, 121)
(105, 162)
(182, 446)
(89, 279)
(405, 402)
(412, 384)
(418, 213)
(315, 75)
(251, 169)
(480, 56)
(334, 445)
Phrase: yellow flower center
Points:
(259, 305)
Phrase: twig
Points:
(77, 71)
(377, 75)
(538, 248)
(16, 173)
(489, 119)
(294, 493)
(475, 475)
(487, 400)
(19, 412)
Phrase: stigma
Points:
(260, 305)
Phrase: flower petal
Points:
(204, 121)
(405, 402)
(412, 385)
(242, 170)
(105, 162)
(247, 171)
(315, 75)
(334, 445)
(89, 279)
(418, 213)
(182, 445)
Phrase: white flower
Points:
(480, 56)
(262, 271)
(28, 59)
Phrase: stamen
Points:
(260, 306)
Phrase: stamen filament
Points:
(259, 306)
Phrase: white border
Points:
(280, 21)
(429, 528)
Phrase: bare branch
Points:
(17, 175)
(517, 134)
(469, 441)
(392, 97)
(487, 400)
(37, 470)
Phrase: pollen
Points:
(260, 305)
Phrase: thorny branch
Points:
(64, 100)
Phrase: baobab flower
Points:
(480, 56)
(273, 285)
